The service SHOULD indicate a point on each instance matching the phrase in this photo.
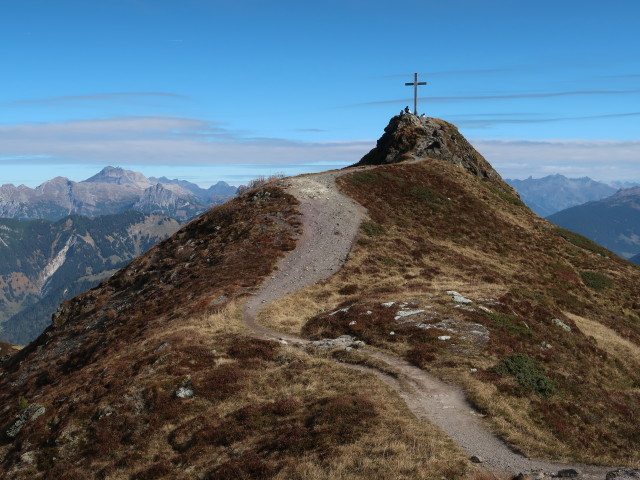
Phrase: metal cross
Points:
(415, 84)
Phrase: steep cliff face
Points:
(159, 199)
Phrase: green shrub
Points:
(595, 280)
(510, 322)
(582, 242)
(360, 179)
(394, 178)
(528, 373)
(423, 194)
(505, 196)
(372, 229)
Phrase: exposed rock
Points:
(457, 298)
(568, 473)
(407, 313)
(28, 457)
(346, 309)
(538, 475)
(559, 323)
(475, 333)
(31, 413)
(624, 474)
(520, 476)
(184, 392)
(408, 137)
(476, 459)
(346, 342)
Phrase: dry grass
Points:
(609, 340)
(458, 233)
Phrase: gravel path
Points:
(330, 224)
(330, 221)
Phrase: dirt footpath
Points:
(330, 224)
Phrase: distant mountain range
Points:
(548, 195)
(613, 222)
(43, 263)
(112, 190)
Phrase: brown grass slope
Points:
(99, 393)
(549, 391)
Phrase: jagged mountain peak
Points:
(409, 137)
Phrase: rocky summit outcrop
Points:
(408, 137)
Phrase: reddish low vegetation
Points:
(108, 368)
(433, 226)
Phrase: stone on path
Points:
(624, 474)
(568, 473)
(346, 342)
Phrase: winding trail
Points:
(330, 224)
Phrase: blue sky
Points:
(207, 90)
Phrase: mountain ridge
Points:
(550, 194)
(112, 190)
(449, 271)
(613, 222)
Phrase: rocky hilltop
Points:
(408, 137)
(112, 190)
(176, 367)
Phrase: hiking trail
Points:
(330, 222)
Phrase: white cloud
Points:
(163, 141)
(167, 141)
(604, 160)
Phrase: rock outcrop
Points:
(408, 137)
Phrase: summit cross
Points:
(415, 84)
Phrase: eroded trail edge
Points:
(330, 225)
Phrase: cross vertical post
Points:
(415, 84)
